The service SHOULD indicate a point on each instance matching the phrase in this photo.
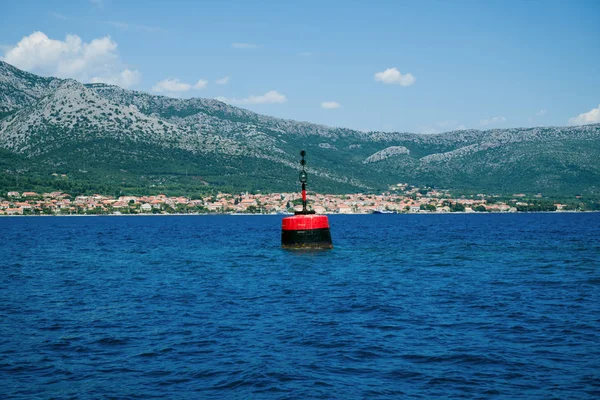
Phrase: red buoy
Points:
(305, 229)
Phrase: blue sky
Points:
(427, 66)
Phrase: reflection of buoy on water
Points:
(305, 230)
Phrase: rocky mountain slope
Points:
(105, 137)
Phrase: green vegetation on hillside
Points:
(63, 135)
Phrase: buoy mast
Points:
(305, 229)
(303, 180)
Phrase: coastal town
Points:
(402, 198)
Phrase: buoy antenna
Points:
(303, 180)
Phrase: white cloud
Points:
(330, 105)
(393, 76)
(493, 120)
(201, 84)
(71, 58)
(125, 78)
(590, 117)
(244, 45)
(97, 3)
(223, 81)
(271, 97)
(305, 54)
(174, 86)
(171, 85)
(441, 126)
(537, 115)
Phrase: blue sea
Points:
(405, 306)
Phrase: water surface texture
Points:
(420, 306)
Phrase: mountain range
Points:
(65, 135)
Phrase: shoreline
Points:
(284, 215)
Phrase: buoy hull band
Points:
(308, 239)
(306, 231)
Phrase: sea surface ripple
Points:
(413, 306)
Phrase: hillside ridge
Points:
(60, 125)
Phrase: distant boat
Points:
(384, 212)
